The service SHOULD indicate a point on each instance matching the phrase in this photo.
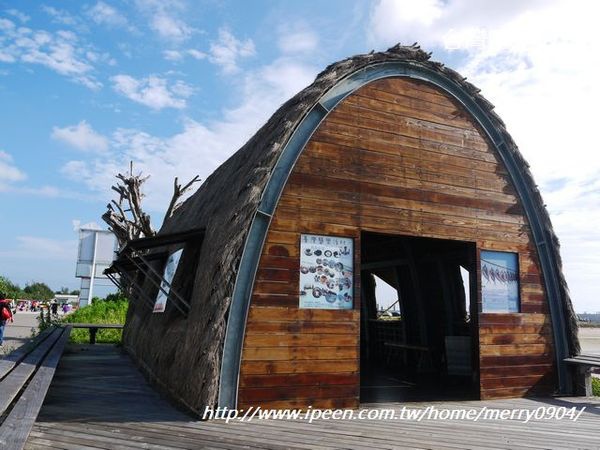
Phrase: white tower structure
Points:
(96, 252)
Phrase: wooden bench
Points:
(25, 376)
(422, 352)
(586, 363)
(94, 327)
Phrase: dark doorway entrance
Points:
(418, 319)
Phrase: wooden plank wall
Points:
(400, 157)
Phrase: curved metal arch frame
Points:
(240, 303)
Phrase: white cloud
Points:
(182, 89)
(46, 248)
(179, 55)
(165, 19)
(396, 19)
(73, 169)
(200, 146)
(514, 53)
(153, 91)
(435, 23)
(59, 51)
(173, 55)
(18, 14)
(227, 50)
(48, 192)
(9, 173)
(60, 16)
(104, 14)
(549, 108)
(43, 191)
(81, 136)
(302, 40)
(10, 176)
(536, 61)
(95, 57)
(170, 27)
(196, 54)
(60, 56)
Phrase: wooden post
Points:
(93, 331)
(587, 379)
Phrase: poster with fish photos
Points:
(499, 282)
(326, 272)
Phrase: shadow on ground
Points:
(100, 383)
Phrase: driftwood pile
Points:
(125, 216)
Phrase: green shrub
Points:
(596, 386)
(99, 312)
(116, 297)
(46, 320)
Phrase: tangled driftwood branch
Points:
(125, 216)
(178, 191)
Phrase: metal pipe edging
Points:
(240, 303)
(242, 292)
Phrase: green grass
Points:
(596, 386)
(99, 312)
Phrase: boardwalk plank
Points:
(17, 426)
(15, 357)
(17, 378)
(111, 385)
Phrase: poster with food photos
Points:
(326, 272)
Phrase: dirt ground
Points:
(19, 332)
(590, 340)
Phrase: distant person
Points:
(54, 307)
(5, 314)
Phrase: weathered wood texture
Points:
(14, 381)
(400, 157)
(98, 400)
(17, 425)
(8, 362)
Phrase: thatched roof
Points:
(188, 359)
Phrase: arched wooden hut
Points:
(390, 170)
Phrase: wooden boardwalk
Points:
(99, 400)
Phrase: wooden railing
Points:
(94, 327)
(25, 375)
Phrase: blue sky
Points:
(177, 86)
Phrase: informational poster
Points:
(169, 273)
(326, 272)
(499, 282)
